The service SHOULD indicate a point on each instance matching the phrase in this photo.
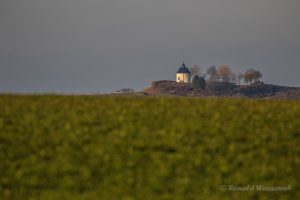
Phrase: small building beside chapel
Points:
(183, 74)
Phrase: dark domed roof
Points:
(183, 69)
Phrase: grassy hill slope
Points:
(85, 147)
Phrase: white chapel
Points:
(183, 74)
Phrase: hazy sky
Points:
(105, 45)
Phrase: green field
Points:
(126, 148)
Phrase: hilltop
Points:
(220, 89)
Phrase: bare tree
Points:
(195, 70)
(212, 73)
(257, 75)
(252, 75)
(224, 73)
(248, 76)
(212, 78)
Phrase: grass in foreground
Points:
(83, 147)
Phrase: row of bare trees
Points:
(223, 73)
